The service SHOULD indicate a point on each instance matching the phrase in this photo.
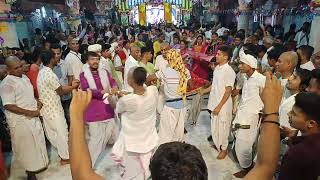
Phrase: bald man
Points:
(131, 62)
(286, 65)
(160, 65)
(160, 62)
(22, 113)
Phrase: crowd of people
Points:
(131, 87)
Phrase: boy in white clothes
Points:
(138, 137)
(175, 79)
(220, 102)
(246, 122)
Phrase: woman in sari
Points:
(199, 66)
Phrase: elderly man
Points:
(175, 79)
(131, 62)
(52, 112)
(286, 65)
(22, 112)
(73, 59)
(160, 64)
(246, 122)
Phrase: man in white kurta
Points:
(246, 122)
(220, 101)
(138, 137)
(27, 136)
(223, 76)
(174, 112)
(131, 62)
(52, 112)
(160, 65)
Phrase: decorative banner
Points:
(142, 14)
(4, 28)
(124, 19)
(186, 4)
(167, 12)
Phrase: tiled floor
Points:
(197, 135)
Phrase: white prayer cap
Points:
(95, 48)
(248, 59)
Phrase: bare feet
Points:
(222, 154)
(241, 174)
(31, 176)
(64, 161)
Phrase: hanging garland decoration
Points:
(309, 11)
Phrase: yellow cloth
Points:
(156, 49)
(176, 62)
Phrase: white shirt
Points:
(117, 61)
(208, 34)
(74, 64)
(61, 70)
(169, 37)
(301, 39)
(160, 63)
(127, 52)
(47, 84)
(250, 99)
(138, 120)
(286, 91)
(104, 64)
(223, 76)
(170, 79)
(130, 63)
(17, 91)
(284, 109)
(308, 66)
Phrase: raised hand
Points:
(80, 101)
(271, 94)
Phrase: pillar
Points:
(8, 28)
(243, 22)
(314, 33)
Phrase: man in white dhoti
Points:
(220, 102)
(175, 79)
(138, 136)
(99, 115)
(286, 65)
(22, 113)
(160, 64)
(246, 122)
(131, 62)
(52, 112)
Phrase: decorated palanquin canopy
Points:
(126, 5)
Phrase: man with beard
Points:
(99, 116)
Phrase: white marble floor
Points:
(197, 135)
